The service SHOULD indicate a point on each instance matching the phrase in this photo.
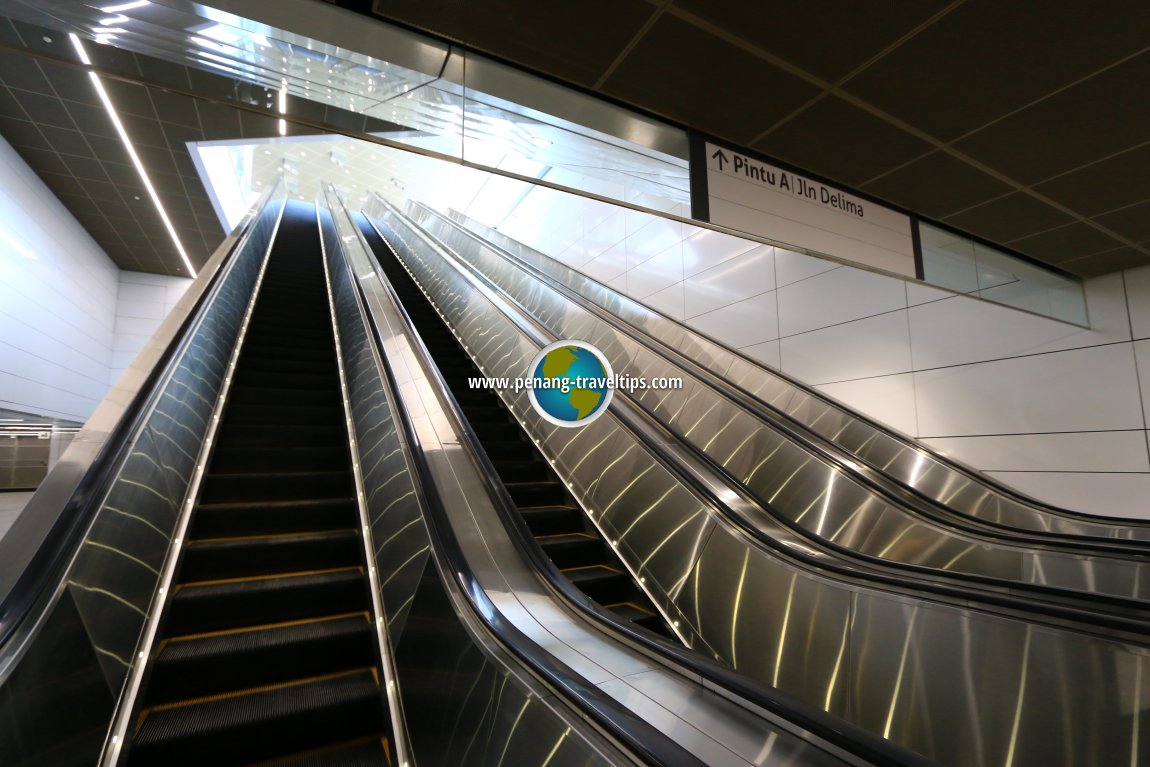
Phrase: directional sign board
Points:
(753, 196)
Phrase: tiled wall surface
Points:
(57, 301)
(142, 303)
(1052, 409)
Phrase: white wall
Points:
(1050, 408)
(57, 301)
(142, 302)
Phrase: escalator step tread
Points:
(269, 554)
(201, 591)
(215, 645)
(631, 612)
(593, 573)
(368, 753)
(280, 720)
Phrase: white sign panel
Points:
(763, 199)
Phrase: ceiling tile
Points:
(787, 29)
(1065, 243)
(1008, 218)
(21, 72)
(1096, 118)
(66, 141)
(986, 58)
(92, 120)
(725, 90)
(43, 161)
(1132, 222)
(129, 99)
(576, 41)
(936, 186)
(1106, 263)
(70, 84)
(1105, 185)
(825, 139)
(24, 134)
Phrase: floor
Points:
(11, 504)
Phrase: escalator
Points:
(267, 651)
(552, 515)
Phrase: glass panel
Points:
(947, 260)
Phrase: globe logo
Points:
(570, 383)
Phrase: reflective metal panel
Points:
(918, 468)
(954, 682)
(789, 479)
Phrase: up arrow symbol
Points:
(720, 156)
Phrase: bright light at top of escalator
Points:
(125, 6)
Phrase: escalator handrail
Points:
(826, 449)
(641, 738)
(1004, 595)
(949, 463)
(841, 733)
(64, 534)
(1060, 599)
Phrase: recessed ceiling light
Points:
(46, 39)
(131, 149)
(135, 197)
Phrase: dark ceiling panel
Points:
(1008, 218)
(1096, 118)
(987, 58)
(828, 38)
(575, 41)
(937, 186)
(1132, 222)
(825, 139)
(725, 90)
(1111, 261)
(1065, 243)
(1103, 186)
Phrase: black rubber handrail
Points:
(638, 736)
(1015, 596)
(832, 729)
(1062, 603)
(951, 464)
(77, 514)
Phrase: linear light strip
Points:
(131, 149)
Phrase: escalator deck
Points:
(266, 652)
(552, 515)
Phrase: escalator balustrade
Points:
(555, 520)
(266, 653)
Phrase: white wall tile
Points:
(961, 329)
(705, 248)
(1142, 358)
(607, 265)
(668, 301)
(918, 293)
(742, 276)
(1138, 295)
(792, 267)
(767, 353)
(1061, 391)
(888, 399)
(1117, 495)
(876, 346)
(835, 297)
(745, 323)
(655, 236)
(656, 273)
(1075, 451)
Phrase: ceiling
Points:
(50, 113)
(1025, 124)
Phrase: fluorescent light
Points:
(282, 103)
(21, 249)
(125, 6)
(131, 149)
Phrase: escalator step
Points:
(230, 604)
(236, 460)
(538, 493)
(217, 663)
(222, 488)
(632, 612)
(283, 393)
(303, 363)
(280, 413)
(267, 555)
(573, 549)
(221, 520)
(364, 753)
(521, 469)
(552, 520)
(603, 584)
(294, 380)
(264, 724)
(272, 435)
